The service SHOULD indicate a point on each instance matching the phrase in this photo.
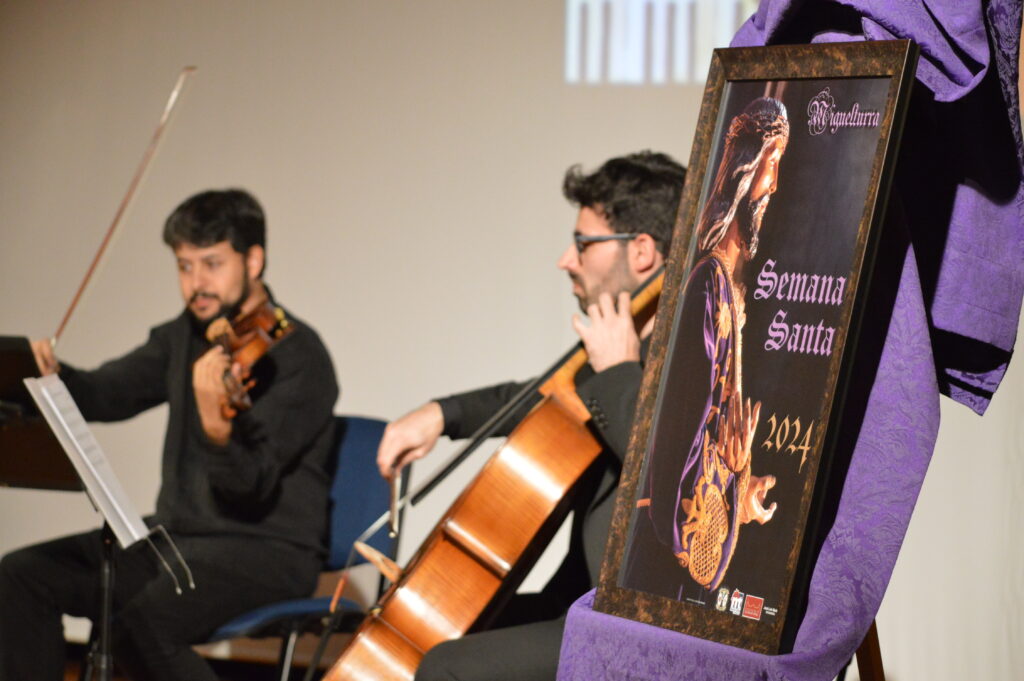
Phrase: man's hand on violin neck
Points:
(409, 438)
(611, 336)
(208, 385)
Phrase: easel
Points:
(869, 658)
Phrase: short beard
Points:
(749, 215)
(227, 310)
(231, 311)
(617, 281)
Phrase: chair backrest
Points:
(358, 493)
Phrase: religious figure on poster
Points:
(697, 504)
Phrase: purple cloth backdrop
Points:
(952, 329)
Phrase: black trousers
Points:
(152, 627)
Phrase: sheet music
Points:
(75, 436)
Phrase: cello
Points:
(488, 540)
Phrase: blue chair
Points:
(358, 497)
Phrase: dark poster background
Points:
(810, 227)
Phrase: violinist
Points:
(627, 211)
(244, 495)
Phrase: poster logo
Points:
(752, 608)
(823, 116)
(723, 600)
(736, 604)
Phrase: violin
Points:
(246, 339)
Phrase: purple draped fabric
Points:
(952, 329)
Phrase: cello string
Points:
(136, 179)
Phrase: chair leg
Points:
(287, 653)
(88, 669)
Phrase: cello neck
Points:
(560, 381)
(645, 298)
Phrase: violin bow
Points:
(136, 179)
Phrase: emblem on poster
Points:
(752, 607)
(723, 600)
(736, 604)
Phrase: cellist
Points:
(627, 211)
(244, 498)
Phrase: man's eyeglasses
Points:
(584, 240)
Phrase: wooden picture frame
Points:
(720, 505)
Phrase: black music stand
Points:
(30, 455)
(121, 521)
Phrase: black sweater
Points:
(271, 479)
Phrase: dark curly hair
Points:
(231, 215)
(635, 193)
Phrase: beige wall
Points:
(409, 157)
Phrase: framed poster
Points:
(717, 516)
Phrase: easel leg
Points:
(869, 657)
